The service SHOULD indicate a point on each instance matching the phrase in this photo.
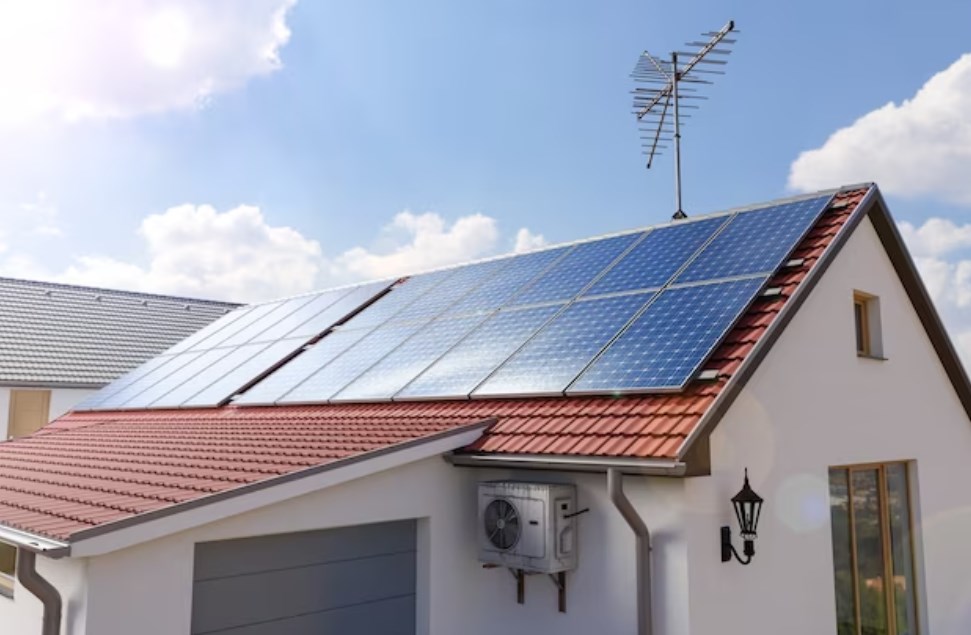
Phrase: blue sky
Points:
(251, 148)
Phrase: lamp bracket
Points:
(728, 549)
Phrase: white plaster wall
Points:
(813, 404)
(62, 400)
(23, 613)
(148, 588)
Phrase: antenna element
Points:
(663, 94)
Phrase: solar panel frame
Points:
(551, 340)
(748, 290)
(749, 227)
(491, 332)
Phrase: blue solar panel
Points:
(576, 270)
(458, 372)
(339, 310)
(254, 331)
(557, 354)
(157, 390)
(238, 372)
(510, 280)
(756, 241)
(255, 314)
(464, 280)
(406, 362)
(330, 379)
(662, 253)
(399, 297)
(667, 343)
(108, 392)
(301, 367)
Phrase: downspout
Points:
(40, 587)
(642, 549)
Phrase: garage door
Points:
(349, 580)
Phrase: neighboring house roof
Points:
(58, 334)
(90, 472)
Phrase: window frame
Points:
(867, 327)
(886, 542)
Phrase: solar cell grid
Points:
(144, 398)
(173, 364)
(464, 280)
(755, 241)
(460, 370)
(209, 330)
(226, 382)
(556, 355)
(399, 297)
(575, 270)
(406, 362)
(211, 370)
(330, 379)
(340, 309)
(665, 345)
(493, 293)
(301, 367)
(255, 330)
(108, 392)
(253, 315)
(654, 260)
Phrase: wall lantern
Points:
(748, 506)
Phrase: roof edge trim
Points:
(258, 486)
(569, 463)
(738, 381)
(906, 269)
(34, 542)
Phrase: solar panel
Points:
(654, 260)
(158, 389)
(462, 282)
(315, 305)
(336, 312)
(330, 379)
(208, 330)
(556, 355)
(459, 371)
(755, 241)
(253, 316)
(221, 361)
(301, 367)
(495, 291)
(109, 391)
(406, 362)
(665, 345)
(575, 270)
(172, 364)
(238, 372)
(399, 297)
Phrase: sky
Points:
(251, 149)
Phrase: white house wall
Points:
(62, 400)
(23, 613)
(148, 588)
(813, 404)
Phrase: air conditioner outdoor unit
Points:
(528, 526)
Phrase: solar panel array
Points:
(635, 312)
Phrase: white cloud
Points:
(238, 254)
(527, 241)
(919, 147)
(415, 242)
(197, 251)
(940, 248)
(69, 60)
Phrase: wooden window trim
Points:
(885, 537)
(861, 324)
(7, 581)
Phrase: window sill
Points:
(878, 358)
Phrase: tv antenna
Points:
(658, 105)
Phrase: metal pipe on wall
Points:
(40, 587)
(642, 549)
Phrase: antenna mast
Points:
(664, 93)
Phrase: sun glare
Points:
(164, 38)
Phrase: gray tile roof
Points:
(57, 334)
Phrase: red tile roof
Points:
(92, 468)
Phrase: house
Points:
(60, 343)
(317, 464)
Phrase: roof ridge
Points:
(117, 292)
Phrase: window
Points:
(866, 319)
(29, 412)
(8, 567)
(872, 550)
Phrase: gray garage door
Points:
(350, 580)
